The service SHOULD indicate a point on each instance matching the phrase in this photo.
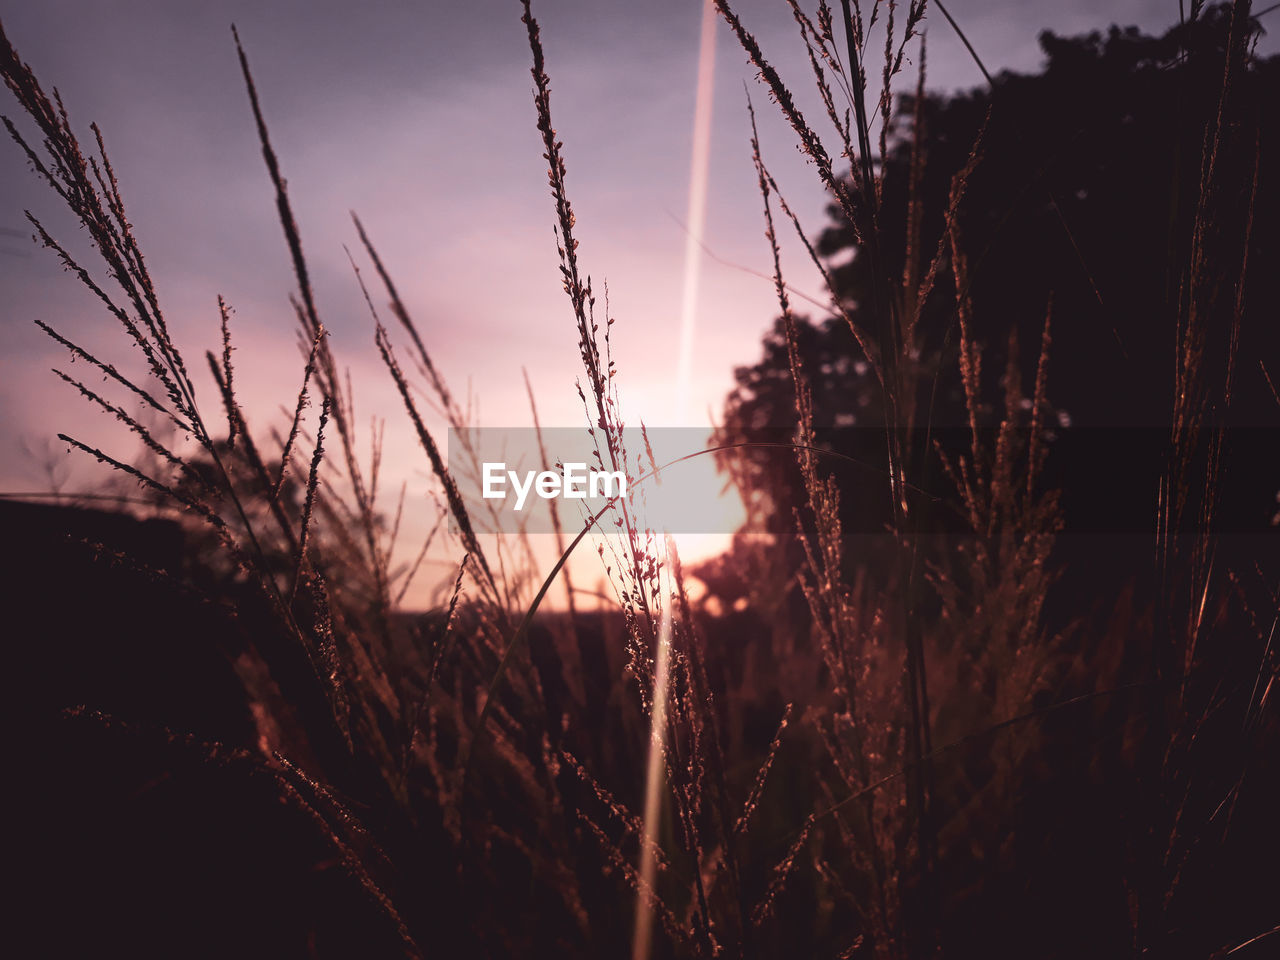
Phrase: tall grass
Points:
(477, 805)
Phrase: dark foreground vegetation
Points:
(1009, 693)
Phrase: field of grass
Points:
(961, 723)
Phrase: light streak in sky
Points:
(698, 168)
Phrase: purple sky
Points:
(419, 117)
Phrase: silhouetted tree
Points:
(1086, 192)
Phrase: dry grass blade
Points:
(413, 568)
(233, 423)
(313, 483)
(402, 314)
(137, 428)
(780, 874)
(757, 788)
(452, 495)
(169, 492)
(285, 210)
(110, 371)
(809, 141)
(303, 401)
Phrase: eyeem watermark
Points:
(574, 482)
(511, 478)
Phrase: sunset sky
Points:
(419, 117)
